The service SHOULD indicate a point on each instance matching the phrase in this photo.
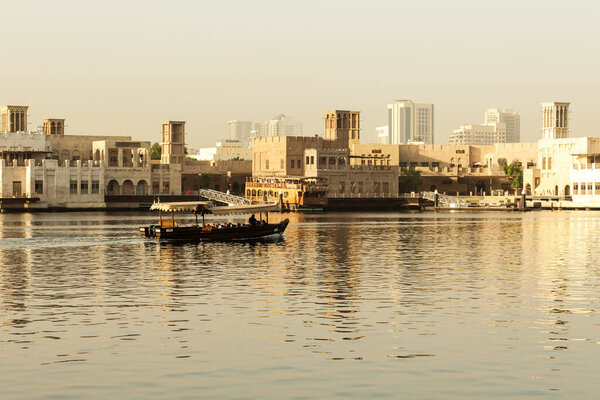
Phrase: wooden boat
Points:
(293, 194)
(169, 229)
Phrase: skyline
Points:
(121, 73)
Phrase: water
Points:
(432, 305)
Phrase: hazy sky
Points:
(120, 67)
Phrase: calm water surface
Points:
(438, 306)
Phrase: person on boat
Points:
(253, 220)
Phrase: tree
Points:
(413, 179)
(155, 151)
(514, 172)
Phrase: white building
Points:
(239, 130)
(568, 169)
(225, 149)
(410, 122)
(510, 118)
(472, 134)
(383, 134)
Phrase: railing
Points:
(223, 197)
(445, 200)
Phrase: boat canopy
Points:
(244, 209)
(181, 205)
(217, 210)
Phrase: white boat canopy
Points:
(217, 210)
(181, 205)
(244, 209)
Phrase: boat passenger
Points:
(252, 220)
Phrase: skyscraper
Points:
(281, 125)
(510, 118)
(410, 122)
(239, 130)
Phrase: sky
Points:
(120, 67)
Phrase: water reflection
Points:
(405, 299)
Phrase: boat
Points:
(293, 194)
(168, 229)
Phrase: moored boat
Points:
(293, 194)
(169, 229)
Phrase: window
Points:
(299, 163)
(39, 187)
(589, 188)
(576, 188)
(312, 160)
(322, 162)
(293, 162)
(95, 187)
(285, 194)
(307, 160)
(597, 188)
(331, 160)
(155, 187)
(165, 187)
(73, 187)
(386, 187)
(266, 164)
(84, 187)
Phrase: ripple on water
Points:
(432, 305)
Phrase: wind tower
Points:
(343, 127)
(555, 120)
(53, 126)
(14, 118)
(173, 142)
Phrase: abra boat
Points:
(169, 229)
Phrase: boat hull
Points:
(223, 233)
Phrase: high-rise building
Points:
(281, 125)
(555, 123)
(239, 130)
(284, 125)
(471, 134)
(511, 118)
(410, 122)
(383, 134)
